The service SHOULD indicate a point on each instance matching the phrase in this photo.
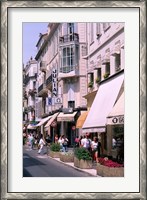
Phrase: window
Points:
(107, 68)
(117, 62)
(91, 77)
(98, 30)
(70, 28)
(99, 73)
(69, 58)
(71, 104)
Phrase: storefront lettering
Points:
(54, 82)
(118, 120)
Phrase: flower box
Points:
(65, 157)
(83, 164)
(54, 154)
(82, 158)
(109, 168)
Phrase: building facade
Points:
(29, 91)
(62, 76)
(105, 80)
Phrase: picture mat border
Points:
(4, 73)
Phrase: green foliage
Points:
(106, 75)
(55, 147)
(97, 80)
(90, 84)
(82, 153)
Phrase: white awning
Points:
(53, 117)
(116, 116)
(103, 103)
(66, 117)
(43, 121)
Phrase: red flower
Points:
(109, 163)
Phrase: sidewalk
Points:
(91, 172)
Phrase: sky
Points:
(31, 32)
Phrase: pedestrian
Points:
(120, 149)
(113, 143)
(81, 140)
(77, 140)
(86, 142)
(31, 141)
(94, 147)
(99, 148)
(60, 141)
(41, 144)
(65, 143)
(56, 138)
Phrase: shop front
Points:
(67, 126)
(106, 97)
(115, 124)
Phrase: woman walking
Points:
(41, 144)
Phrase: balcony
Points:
(49, 81)
(32, 92)
(73, 37)
(28, 77)
(43, 66)
(42, 90)
(68, 72)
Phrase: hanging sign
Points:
(54, 82)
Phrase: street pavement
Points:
(41, 165)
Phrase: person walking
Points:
(41, 144)
(86, 142)
(94, 147)
(56, 138)
(60, 141)
(65, 143)
(31, 141)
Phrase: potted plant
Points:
(90, 84)
(106, 75)
(97, 80)
(82, 158)
(67, 157)
(55, 150)
(109, 168)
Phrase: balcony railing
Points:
(42, 89)
(49, 80)
(73, 37)
(28, 77)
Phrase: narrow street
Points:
(40, 165)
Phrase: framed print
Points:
(15, 16)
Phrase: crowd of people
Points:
(93, 146)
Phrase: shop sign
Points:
(118, 120)
(54, 82)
